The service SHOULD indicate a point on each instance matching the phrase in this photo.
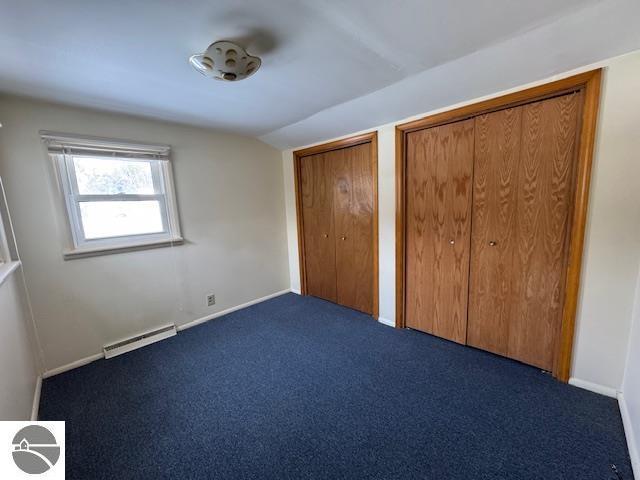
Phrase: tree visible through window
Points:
(110, 177)
(135, 208)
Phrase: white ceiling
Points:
(318, 55)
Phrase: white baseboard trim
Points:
(221, 313)
(184, 326)
(387, 322)
(634, 452)
(72, 365)
(296, 291)
(36, 399)
(594, 387)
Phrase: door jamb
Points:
(589, 83)
(298, 155)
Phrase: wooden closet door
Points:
(495, 189)
(353, 211)
(544, 199)
(439, 171)
(316, 183)
(523, 188)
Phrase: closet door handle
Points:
(343, 237)
(493, 243)
(452, 242)
(324, 235)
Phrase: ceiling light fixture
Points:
(225, 60)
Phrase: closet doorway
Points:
(491, 212)
(337, 213)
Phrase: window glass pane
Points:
(117, 219)
(101, 176)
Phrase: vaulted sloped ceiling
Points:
(329, 67)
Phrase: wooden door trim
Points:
(372, 138)
(589, 84)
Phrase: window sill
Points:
(95, 252)
(6, 269)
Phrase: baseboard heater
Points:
(139, 341)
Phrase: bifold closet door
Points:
(523, 187)
(316, 185)
(545, 198)
(495, 187)
(353, 213)
(337, 193)
(438, 205)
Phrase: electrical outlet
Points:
(211, 299)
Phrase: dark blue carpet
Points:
(297, 388)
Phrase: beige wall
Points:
(231, 205)
(612, 250)
(613, 231)
(18, 367)
(630, 404)
(625, 107)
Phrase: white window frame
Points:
(5, 255)
(9, 259)
(62, 149)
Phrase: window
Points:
(118, 196)
(5, 255)
(8, 252)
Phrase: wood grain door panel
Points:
(495, 187)
(460, 172)
(316, 186)
(353, 209)
(532, 167)
(523, 188)
(544, 197)
(423, 238)
(439, 172)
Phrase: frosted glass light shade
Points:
(225, 61)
